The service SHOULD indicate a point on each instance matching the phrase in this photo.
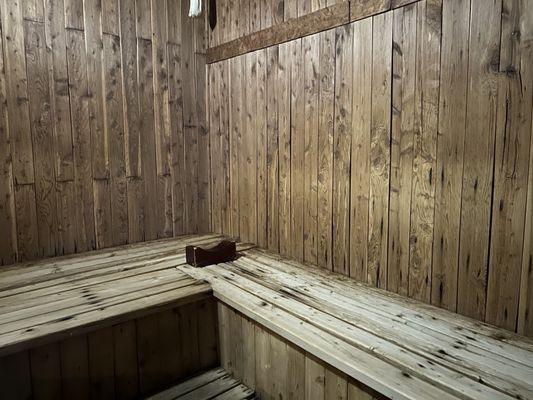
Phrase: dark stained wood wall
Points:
(396, 150)
(126, 361)
(238, 18)
(103, 139)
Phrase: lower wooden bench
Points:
(216, 384)
(304, 321)
(116, 323)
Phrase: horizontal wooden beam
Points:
(315, 22)
(321, 20)
(360, 9)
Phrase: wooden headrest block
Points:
(202, 257)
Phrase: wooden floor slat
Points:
(214, 384)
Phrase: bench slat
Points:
(385, 378)
(500, 372)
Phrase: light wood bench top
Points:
(45, 301)
(216, 384)
(402, 348)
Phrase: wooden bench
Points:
(216, 384)
(400, 348)
(84, 310)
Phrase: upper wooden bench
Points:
(399, 347)
(46, 301)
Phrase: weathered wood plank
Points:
(283, 87)
(79, 111)
(17, 89)
(342, 149)
(42, 137)
(478, 168)
(450, 152)
(325, 149)
(380, 149)
(75, 368)
(513, 127)
(57, 65)
(360, 162)
(425, 148)
(403, 126)
(297, 150)
(8, 245)
(311, 66)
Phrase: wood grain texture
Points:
(95, 140)
(282, 370)
(422, 157)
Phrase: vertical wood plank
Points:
(315, 379)
(361, 125)
(403, 126)
(525, 316)
(110, 17)
(342, 149)
(176, 138)
(57, 64)
(15, 376)
(79, 111)
(75, 368)
(114, 125)
(425, 148)
(102, 213)
(42, 136)
(478, 157)
(336, 385)
(74, 14)
(7, 205)
(272, 157)
(146, 113)
(17, 99)
(380, 149)
(128, 47)
(46, 372)
(513, 129)
(297, 148)
(296, 378)
(450, 147)
(66, 208)
(325, 149)
(248, 159)
(279, 382)
(125, 354)
(92, 12)
(311, 66)
(161, 93)
(261, 129)
(283, 89)
(235, 110)
(101, 364)
(26, 220)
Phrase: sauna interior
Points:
(370, 162)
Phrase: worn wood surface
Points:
(47, 300)
(109, 324)
(368, 333)
(419, 180)
(102, 124)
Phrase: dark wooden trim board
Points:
(315, 22)
(309, 24)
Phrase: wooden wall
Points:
(277, 369)
(238, 18)
(126, 361)
(102, 125)
(395, 149)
